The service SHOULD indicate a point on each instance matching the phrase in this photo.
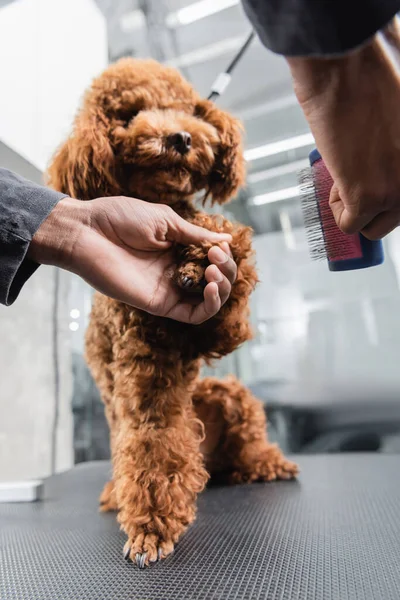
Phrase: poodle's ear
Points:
(228, 174)
(83, 167)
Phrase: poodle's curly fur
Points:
(169, 430)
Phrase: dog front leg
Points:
(158, 468)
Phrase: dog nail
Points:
(159, 554)
(187, 282)
(140, 560)
(127, 553)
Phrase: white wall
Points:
(49, 52)
(28, 399)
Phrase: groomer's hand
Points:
(122, 247)
(352, 105)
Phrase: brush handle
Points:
(364, 253)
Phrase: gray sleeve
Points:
(318, 27)
(23, 208)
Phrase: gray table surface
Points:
(334, 534)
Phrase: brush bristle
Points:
(325, 239)
(311, 215)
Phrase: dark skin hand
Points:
(352, 106)
(122, 247)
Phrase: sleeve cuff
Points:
(23, 208)
(319, 28)
(24, 205)
(15, 268)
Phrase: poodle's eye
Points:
(198, 112)
(125, 117)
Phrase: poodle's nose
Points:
(181, 141)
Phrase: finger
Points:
(226, 248)
(208, 308)
(183, 232)
(381, 225)
(224, 262)
(186, 312)
(346, 220)
(213, 274)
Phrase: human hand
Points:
(352, 106)
(122, 247)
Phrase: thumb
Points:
(347, 220)
(186, 233)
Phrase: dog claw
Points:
(126, 554)
(141, 560)
(187, 282)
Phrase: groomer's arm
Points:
(23, 208)
(345, 61)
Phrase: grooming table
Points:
(333, 535)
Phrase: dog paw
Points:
(269, 466)
(108, 500)
(146, 549)
(287, 470)
(190, 277)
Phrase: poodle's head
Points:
(143, 131)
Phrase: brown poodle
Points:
(144, 132)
